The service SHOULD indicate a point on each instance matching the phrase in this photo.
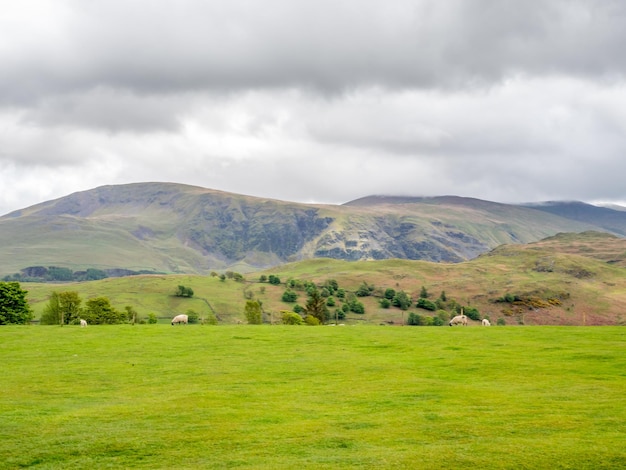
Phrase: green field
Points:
(280, 397)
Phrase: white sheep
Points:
(486, 322)
(459, 320)
(83, 323)
(180, 319)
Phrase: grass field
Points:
(280, 397)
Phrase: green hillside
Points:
(553, 285)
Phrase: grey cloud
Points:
(323, 45)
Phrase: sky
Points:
(320, 101)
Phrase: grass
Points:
(156, 396)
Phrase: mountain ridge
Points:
(171, 227)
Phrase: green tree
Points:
(401, 300)
(426, 304)
(14, 308)
(364, 290)
(289, 296)
(253, 313)
(51, 314)
(99, 311)
(192, 316)
(131, 314)
(316, 306)
(291, 318)
(274, 280)
(70, 302)
(389, 293)
(184, 291)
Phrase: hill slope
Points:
(176, 228)
(553, 281)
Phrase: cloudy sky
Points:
(315, 100)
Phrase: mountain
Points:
(611, 219)
(173, 228)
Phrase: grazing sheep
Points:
(486, 322)
(180, 319)
(459, 320)
(83, 323)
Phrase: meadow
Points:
(282, 397)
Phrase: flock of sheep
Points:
(178, 319)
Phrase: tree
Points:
(389, 293)
(426, 304)
(289, 296)
(316, 306)
(131, 314)
(69, 302)
(51, 314)
(423, 293)
(291, 318)
(274, 280)
(401, 300)
(14, 308)
(192, 316)
(364, 290)
(184, 291)
(99, 311)
(63, 308)
(253, 313)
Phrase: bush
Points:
(426, 304)
(152, 318)
(385, 303)
(311, 320)
(274, 280)
(289, 296)
(501, 321)
(291, 318)
(472, 312)
(192, 315)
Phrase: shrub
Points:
(192, 316)
(311, 320)
(385, 303)
(501, 321)
(289, 296)
(291, 318)
(472, 312)
(389, 294)
(274, 280)
(152, 318)
(426, 304)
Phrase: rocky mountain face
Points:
(169, 227)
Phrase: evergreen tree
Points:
(316, 306)
(14, 307)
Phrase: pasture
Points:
(282, 397)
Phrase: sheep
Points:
(459, 320)
(83, 323)
(486, 322)
(180, 319)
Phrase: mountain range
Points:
(175, 228)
